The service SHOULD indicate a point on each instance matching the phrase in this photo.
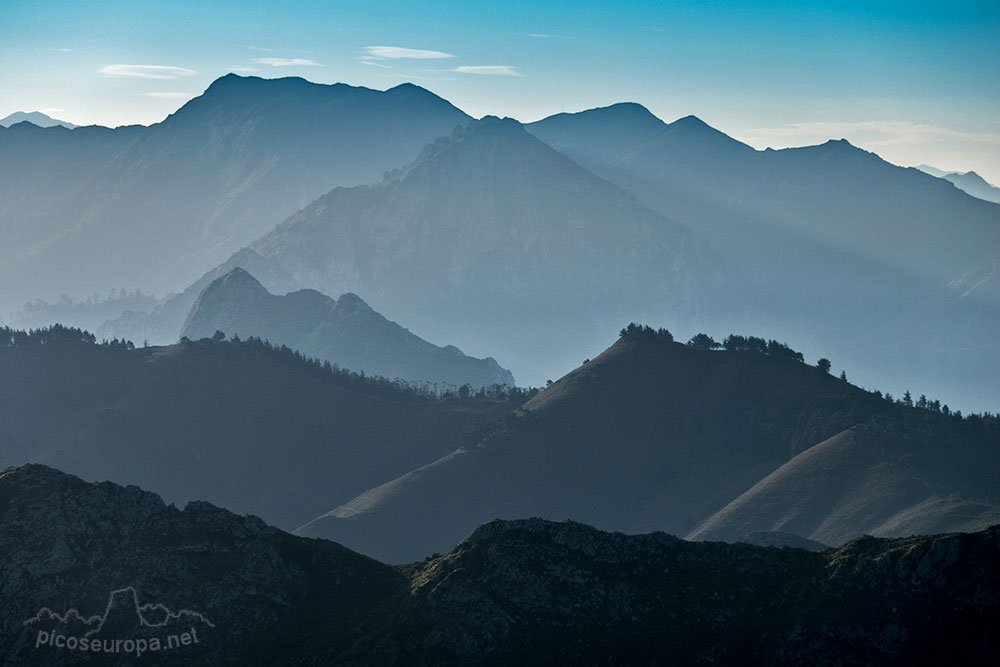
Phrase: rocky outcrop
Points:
(527, 592)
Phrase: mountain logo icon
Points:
(125, 627)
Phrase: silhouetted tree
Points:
(703, 342)
(824, 365)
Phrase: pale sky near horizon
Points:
(916, 82)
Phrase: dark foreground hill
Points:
(345, 331)
(656, 435)
(526, 592)
(240, 424)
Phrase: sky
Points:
(916, 82)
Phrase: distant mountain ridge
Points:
(969, 181)
(162, 204)
(493, 240)
(35, 118)
(345, 331)
(850, 249)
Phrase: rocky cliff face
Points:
(528, 592)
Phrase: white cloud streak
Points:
(487, 70)
(286, 62)
(878, 132)
(170, 96)
(398, 52)
(146, 71)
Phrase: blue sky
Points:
(915, 82)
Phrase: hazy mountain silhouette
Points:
(846, 241)
(161, 205)
(969, 181)
(525, 592)
(35, 118)
(256, 429)
(654, 435)
(498, 243)
(345, 331)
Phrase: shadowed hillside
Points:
(656, 435)
(255, 428)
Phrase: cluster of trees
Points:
(771, 348)
(54, 334)
(703, 341)
(923, 403)
(359, 381)
(640, 331)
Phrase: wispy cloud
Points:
(398, 52)
(369, 61)
(170, 96)
(64, 50)
(875, 133)
(488, 70)
(286, 62)
(260, 48)
(146, 71)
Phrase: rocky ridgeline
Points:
(514, 592)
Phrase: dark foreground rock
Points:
(103, 563)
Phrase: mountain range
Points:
(612, 216)
(527, 592)
(494, 241)
(854, 251)
(345, 332)
(968, 181)
(162, 204)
